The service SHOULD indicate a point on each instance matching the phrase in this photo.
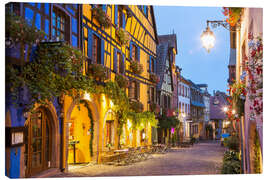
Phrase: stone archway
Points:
(53, 133)
(95, 115)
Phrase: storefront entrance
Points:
(38, 145)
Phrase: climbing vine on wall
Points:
(91, 126)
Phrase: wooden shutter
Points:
(130, 50)
(102, 52)
(123, 64)
(89, 44)
(115, 61)
(116, 15)
(150, 64)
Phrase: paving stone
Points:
(201, 158)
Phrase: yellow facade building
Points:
(103, 29)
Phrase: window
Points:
(96, 53)
(133, 90)
(119, 60)
(109, 125)
(134, 53)
(60, 23)
(120, 18)
(152, 65)
(152, 94)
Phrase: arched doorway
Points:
(81, 135)
(39, 140)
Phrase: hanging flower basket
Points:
(98, 72)
(136, 106)
(122, 81)
(154, 78)
(233, 15)
(102, 18)
(238, 90)
(136, 67)
(123, 36)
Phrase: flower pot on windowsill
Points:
(136, 67)
(136, 106)
(102, 18)
(122, 36)
(154, 78)
(98, 72)
(122, 81)
(239, 105)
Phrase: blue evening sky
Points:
(197, 65)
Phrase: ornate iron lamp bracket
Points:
(215, 24)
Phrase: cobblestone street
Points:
(202, 158)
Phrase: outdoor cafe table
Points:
(120, 151)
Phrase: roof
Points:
(232, 60)
(162, 53)
(154, 23)
(169, 38)
(216, 110)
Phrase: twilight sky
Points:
(188, 23)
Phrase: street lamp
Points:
(208, 38)
(225, 109)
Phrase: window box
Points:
(122, 81)
(98, 72)
(136, 106)
(136, 67)
(102, 17)
(123, 36)
(154, 78)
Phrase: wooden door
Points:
(38, 145)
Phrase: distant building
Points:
(184, 106)
(206, 101)
(166, 51)
(196, 110)
(217, 115)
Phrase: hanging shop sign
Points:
(15, 136)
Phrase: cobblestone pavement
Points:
(202, 158)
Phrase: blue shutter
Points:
(150, 69)
(104, 8)
(89, 44)
(102, 51)
(145, 9)
(124, 21)
(115, 15)
(130, 50)
(155, 66)
(139, 57)
(115, 61)
(123, 63)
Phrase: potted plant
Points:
(136, 106)
(238, 90)
(136, 67)
(154, 78)
(98, 72)
(102, 18)
(233, 15)
(122, 81)
(123, 36)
